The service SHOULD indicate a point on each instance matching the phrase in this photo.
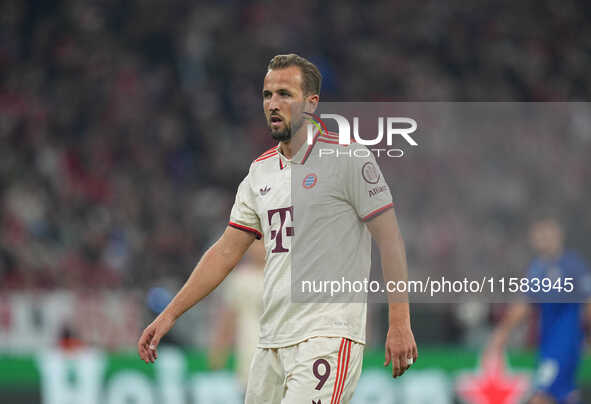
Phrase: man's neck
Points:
(291, 147)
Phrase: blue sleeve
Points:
(534, 270)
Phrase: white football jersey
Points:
(324, 200)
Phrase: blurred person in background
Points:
(156, 301)
(238, 320)
(69, 340)
(562, 325)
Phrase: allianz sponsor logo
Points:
(391, 129)
(377, 190)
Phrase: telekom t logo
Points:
(277, 235)
(345, 129)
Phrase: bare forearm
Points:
(386, 232)
(401, 348)
(394, 269)
(515, 316)
(211, 270)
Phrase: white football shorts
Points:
(320, 370)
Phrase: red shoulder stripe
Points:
(271, 150)
(330, 134)
(266, 156)
(323, 140)
(331, 137)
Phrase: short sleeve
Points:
(366, 187)
(243, 215)
(534, 270)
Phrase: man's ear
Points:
(311, 103)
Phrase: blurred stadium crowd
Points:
(125, 127)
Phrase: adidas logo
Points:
(264, 191)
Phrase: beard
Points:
(287, 132)
(282, 135)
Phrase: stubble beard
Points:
(286, 134)
(282, 135)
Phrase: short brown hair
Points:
(311, 77)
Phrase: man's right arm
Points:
(214, 266)
(515, 316)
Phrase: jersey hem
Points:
(288, 343)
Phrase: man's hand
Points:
(148, 342)
(214, 266)
(401, 348)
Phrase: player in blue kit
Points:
(561, 324)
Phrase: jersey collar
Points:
(302, 154)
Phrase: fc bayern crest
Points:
(370, 173)
(309, 181)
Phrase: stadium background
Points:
(125, 128)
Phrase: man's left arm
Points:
(401, 347)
